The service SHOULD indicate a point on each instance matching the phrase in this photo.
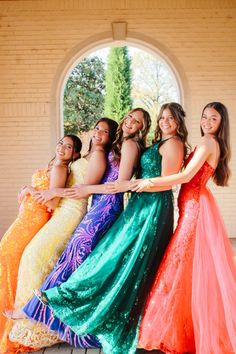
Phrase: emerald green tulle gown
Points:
(105, 295)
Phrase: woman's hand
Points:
(141, 185)
(24, 191)
(118, 186)
(43, 196)
(22, 194)
(76, 192)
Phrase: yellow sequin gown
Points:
(41, 255)
(30, 220)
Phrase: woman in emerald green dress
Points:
(105, 295)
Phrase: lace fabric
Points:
(36, 333)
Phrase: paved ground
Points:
(66, 349)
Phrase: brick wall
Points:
(37, 37)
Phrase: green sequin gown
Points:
(105, 295)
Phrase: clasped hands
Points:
(137, 185)
(40, 196)
(75, 192)
(43, 196)
(24, 191)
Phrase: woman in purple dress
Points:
(105, 209)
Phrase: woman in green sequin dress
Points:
(104, 296)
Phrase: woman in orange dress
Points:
(31, 218)
(191, 307)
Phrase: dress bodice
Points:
(150, 162)
(191, 190)
(40, 179)
(76, 176)
(78, 172)
(203, 175)
(112, 170)
(111, 174)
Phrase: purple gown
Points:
(104, 211)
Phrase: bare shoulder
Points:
(98, 155)
(208, 141)
(98, 152)
(129, 145)
(174, 142)
(59, 168)
(172, 145)
(98, 149)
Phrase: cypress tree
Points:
(118, 84)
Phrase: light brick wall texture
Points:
(35, 38)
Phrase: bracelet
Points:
(152, 183)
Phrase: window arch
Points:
(105, 40)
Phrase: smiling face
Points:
(210, 121)
(100, 134)
(64, 149)
(167, 124)
(132, 123)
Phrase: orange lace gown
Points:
(192, 305)
(29, 221)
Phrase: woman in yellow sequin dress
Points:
(31, 218)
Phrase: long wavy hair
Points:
(112, 127)
(140, 136)
(222, 171)
(77, 146)
(179, 115)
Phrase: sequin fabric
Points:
(41, 255)
(190, 308)
(104, 210)
(29, 221)
(104, 295)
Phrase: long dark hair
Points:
(139, 137)
(179, 115)
(222, 171)
(77, 146)
(112, 127)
